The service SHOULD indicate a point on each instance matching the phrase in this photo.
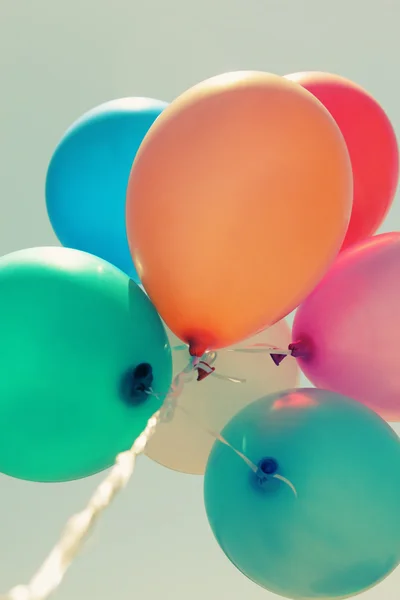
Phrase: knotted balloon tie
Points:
(294, 349)
(204, 366)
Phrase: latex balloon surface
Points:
(347, 331)
(372, 144)
(341, 534)
(88, 174)
(234, 178)
(78, 340)
(184, 443)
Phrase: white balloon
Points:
(184, 443)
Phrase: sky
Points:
(59, 59)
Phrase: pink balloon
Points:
(347, 333)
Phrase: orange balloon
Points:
(238, 201)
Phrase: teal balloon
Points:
(341, 534)
(88, 175)
(85, 362)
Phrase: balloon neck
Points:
(267, 467)
(199, 343)
(137, 384)
(299, 349)
(197, 349)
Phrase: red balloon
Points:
(372, 146)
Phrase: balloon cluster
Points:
(199, 226)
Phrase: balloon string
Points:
(260, 349)
(252, 349)
(50, 575)
(211, 357)
(276, 354)
(286, 481)
(220, 438)
(224, 441)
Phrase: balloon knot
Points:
(266, 468)
(203, 369)
(296, 349)
(137, 384)
(199, 342)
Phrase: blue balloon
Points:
(341, 534)
(88, 175)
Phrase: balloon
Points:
(341, 534)
(184, 443)
(237, 175)
(88, 174)
(346, 332)
(372, 145)
(80, 346)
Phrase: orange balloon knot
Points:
(199, 342)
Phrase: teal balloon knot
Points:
(267, 467)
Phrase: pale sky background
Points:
(61, 58)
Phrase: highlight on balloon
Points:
(162, 324)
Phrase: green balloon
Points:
(85, 362)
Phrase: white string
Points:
(252, 349)
(220, 438)
(286, 481)
(209, 359)
(249, 463)
(50, 575)
(260, 349)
